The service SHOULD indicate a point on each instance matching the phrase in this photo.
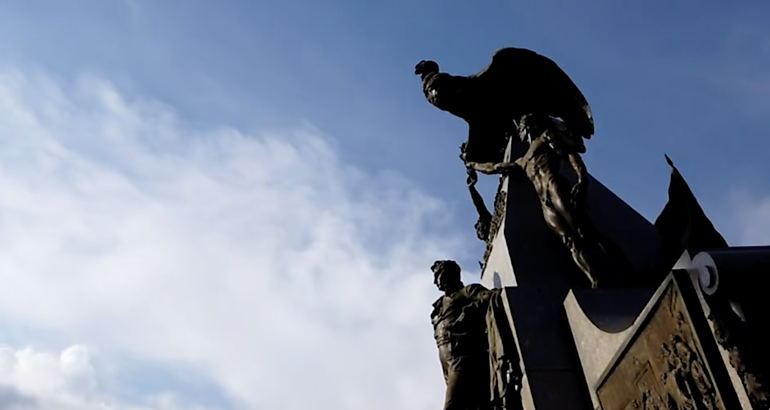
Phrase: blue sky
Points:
(677, 79)
(214, 147)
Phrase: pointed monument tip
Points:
(670, 163)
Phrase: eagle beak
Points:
(418, 68)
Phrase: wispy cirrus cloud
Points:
(260, 263)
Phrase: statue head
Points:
(532, 125)
(446, 275)
(425, 67)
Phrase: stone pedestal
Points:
(690, 335)
(601, 321)
(660, 356)
(531, 262)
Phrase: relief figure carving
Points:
(665, 366)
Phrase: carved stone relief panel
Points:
(663, 366)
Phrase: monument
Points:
(583, 303)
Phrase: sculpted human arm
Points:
(490, 168)
(482, 295)
(478, 201)
(581, 186)
(480, 298)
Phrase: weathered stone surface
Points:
(528, 255)
(601, 321)
(548, 355)
(733, 283)
(671, 360)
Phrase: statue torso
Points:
(457, 339)
(543, 166)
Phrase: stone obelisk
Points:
(537, 271)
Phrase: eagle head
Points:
(425, 67)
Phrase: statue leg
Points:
(614, 253)
(556, 197)
(579, 256)
(583, 231)
(610, 250)
(561, 220)
(561, 227)
(453, 398)
(582, 228)
(468, 385)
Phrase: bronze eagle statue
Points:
(517, 82)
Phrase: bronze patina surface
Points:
(665, 365)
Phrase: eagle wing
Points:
(519, 71)
(485, 143)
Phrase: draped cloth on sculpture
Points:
(504, 371)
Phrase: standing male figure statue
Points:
(459, 327)
(563, 208)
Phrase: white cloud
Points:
(751, 218)
(31, 379)
(284, 275)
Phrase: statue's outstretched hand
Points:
(472, 177)
(462, 151)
